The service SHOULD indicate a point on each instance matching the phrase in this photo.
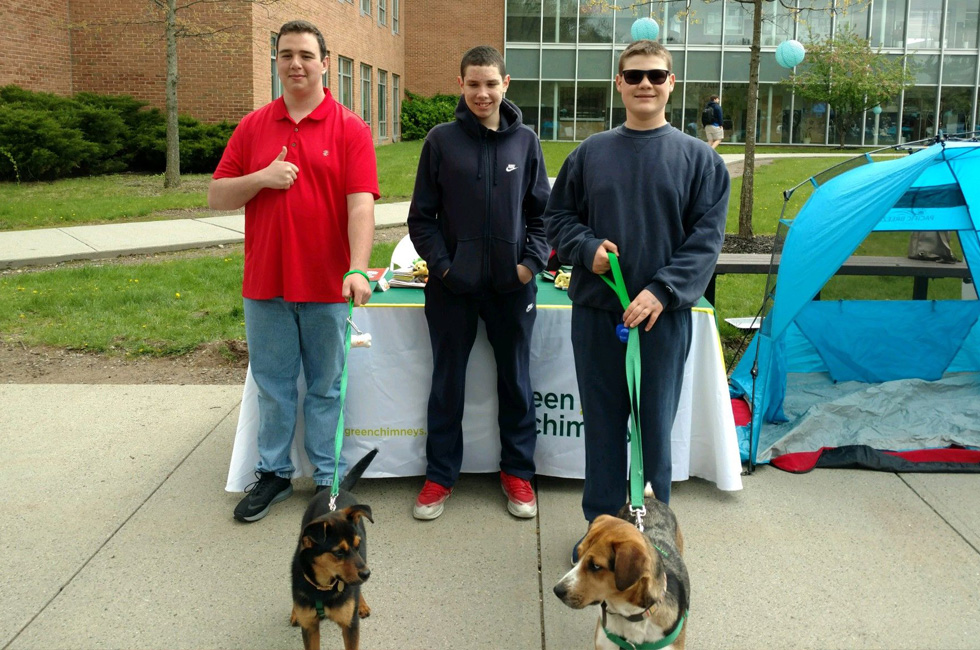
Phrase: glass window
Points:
(345, 83)
(703, 66)
(276, 85)
(525, 95)
(737, 66)
(623, 22)
(769, 70)
(696, 96)
(548, 115)
(774, 113)
(366, 93)
(955, 110)
(394, 15)
(888, 23)
(523, 21)
(382, 104)
(925, 20)
(854, 19)
(382, 12)
(811, 119)
(591, 108)
(815, 19)
(595, 64)
(560, 22)
(565, 108)
(705, 18)
(959, 70)
(366, 7)
(881, 129)
(734, 99)
(738, 23)
(558, 64)
(674, 23)
(396, 105)
(778, 24)
(595, 23)
(927, 68)
(919, 116)
(522, 64)
(961, 24)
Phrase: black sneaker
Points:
(261, 495)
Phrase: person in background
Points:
(712, 120)
(476, 219)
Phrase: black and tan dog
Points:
(639, 578)
(330, 563)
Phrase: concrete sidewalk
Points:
(117, 534)
(52, 245)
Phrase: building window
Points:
(366, 7)
(382, 104)
(345, 83)
(366, 93)
(394, 16)
(276, 85)
(396, 105)
(382, 12)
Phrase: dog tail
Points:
(648, 490)
(355, 472)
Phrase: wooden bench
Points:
(920, 271)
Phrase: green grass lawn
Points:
(165, 308)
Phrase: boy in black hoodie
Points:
(476, 219)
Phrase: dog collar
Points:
(336, 583)
(651, 645)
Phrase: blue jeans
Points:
(280, 336)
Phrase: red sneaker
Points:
(429, 503)
(520, 496)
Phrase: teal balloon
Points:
(645, 28)
(876, 110)
(789, 54)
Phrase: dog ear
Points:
(314, 533)
(354, 513)
(631, 564)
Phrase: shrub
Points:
(41, 145)
(420, 114)
(46, 136)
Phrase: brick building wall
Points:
(35, 52)
(226, 75)
(439, 32)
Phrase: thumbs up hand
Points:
(280, 174)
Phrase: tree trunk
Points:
(751, 123)
(171, 177)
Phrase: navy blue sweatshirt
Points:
(659, 195)
(479, 200)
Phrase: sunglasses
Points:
(656, 77)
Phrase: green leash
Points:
(339, 436)
(633, 381)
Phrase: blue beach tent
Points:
(882, 379)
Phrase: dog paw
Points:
(292, 619)
(363, 610)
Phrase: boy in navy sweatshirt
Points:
(477, 220)
(658, 199)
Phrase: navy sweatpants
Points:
(452, 319)
(600, 366)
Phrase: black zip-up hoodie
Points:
(479, 199)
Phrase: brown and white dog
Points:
(639, 578)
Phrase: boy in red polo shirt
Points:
(304, 168)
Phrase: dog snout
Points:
(364, 573)
(561, 591)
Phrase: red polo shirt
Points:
(296, 242)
